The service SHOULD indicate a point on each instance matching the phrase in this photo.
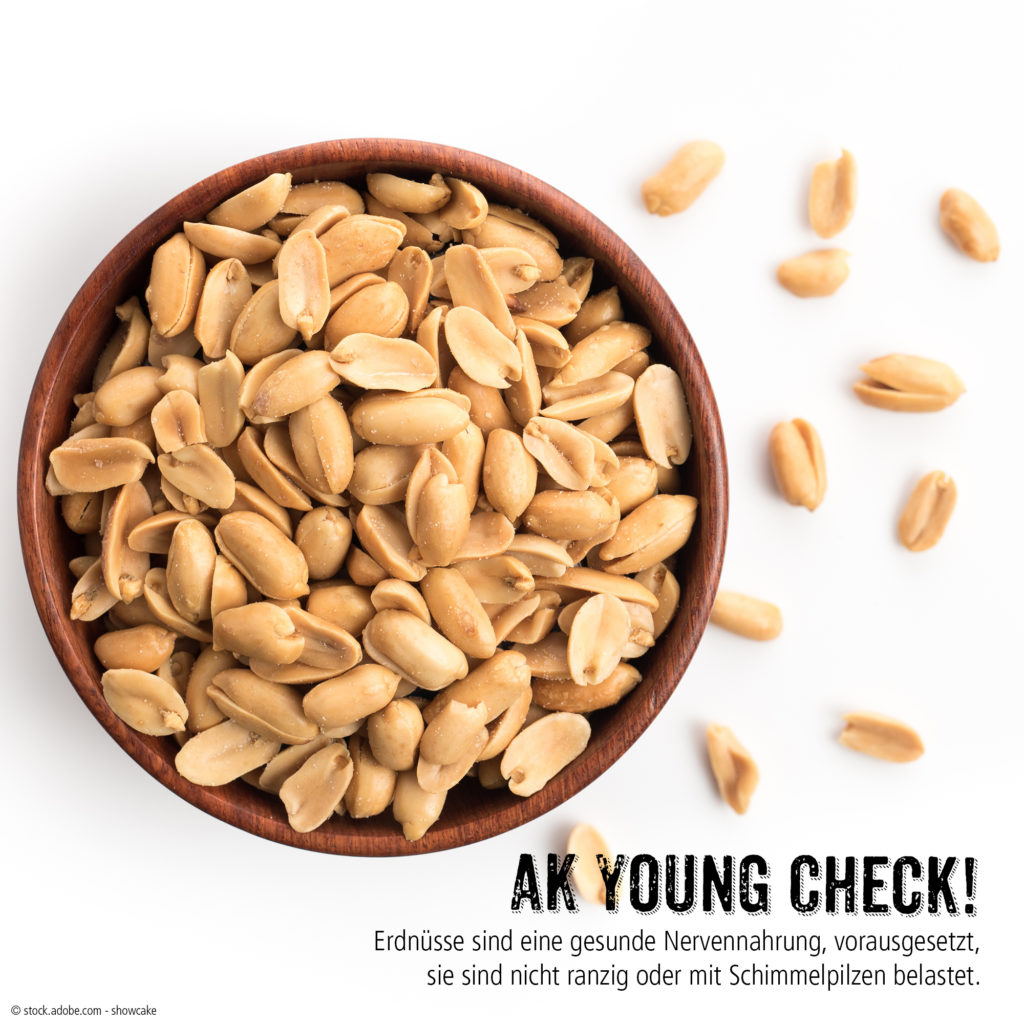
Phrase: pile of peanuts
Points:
(375, 494)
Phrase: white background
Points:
(116, 891)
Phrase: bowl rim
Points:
(48, 578)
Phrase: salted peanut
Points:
(569, 515)
(601, 351)
(964, 220)
(732, 766)
(126, 348)
(90, 598)
(881, 737)
(497, 232)
(451, 732)
(382, 531)
(927, 512)
(269, 709)
(175, 284)
(381, 473)
(554, 303)
(191, 560)
(287, 762)
(662, 418)
(542, 750)
(296, 383)
(458, 613)
(159, 347)
(437, 778)
(665, 587)
(81, 512)
(219, 384)
(295, 674)
(351, 696)
(833, 195)
(154, 590)
(304, 293)
(176, 669)
(322, 442)
(181, 373)
(362, 569)
(634, 481)
(277, 447)
(323, 536)
(597, 311)
(402, 595)
(143, 648)
(259, 330)
(548, 658)
(271, 480)
(312, 793)
(490, 534)
(223, 753)
(815, 274)
(588, 398)
(322, 219)
(202, 712)
(373, 784)
(429, 337)
(407, 645)
(908, 384)
(410, 270)
(535, 626)
(380, 309)
(144, 701)
(423, 417)
(606, 463)
(198, 471)
(597, 637)
(590, 850)
(124, 568)
(548, 344)
(487, 408)
(381, 363)
(506, 726)
(748, 616)
(344, 604)
(466, 207)
(258, 630)
(634, 365)
(543, 557)
(230, 243)
(326, 645)
(471, 284)
(565, 695)
(229, 589)
(650, 533)
(798, 463)
(498, 580)
(225, 292)
(413, 807)
(360, 243)
(417, 233)
(524, 397)
(442, 520)
(251, 499)
(255, 206)
(509, 473)
(465, 451)
(305, 198)
(565, 452)
(127, 397)
(271, 562)
(407, 195)
(641, 631)
(78, 566)
(127, 616)
(683, 179)
(580, 579)
(484, 353)
(177, 421)
(394, 734)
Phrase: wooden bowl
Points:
(471, 813)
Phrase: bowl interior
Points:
(471, 813)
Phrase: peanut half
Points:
(749, 616)
(881, 737)
(798, 463)
(833, 195)
(968, 225)
(682, 180)
(908, 384)
(815, 274)
(927, 512)
(732, 766)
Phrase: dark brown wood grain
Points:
(471, 814)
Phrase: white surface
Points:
(116, 891)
